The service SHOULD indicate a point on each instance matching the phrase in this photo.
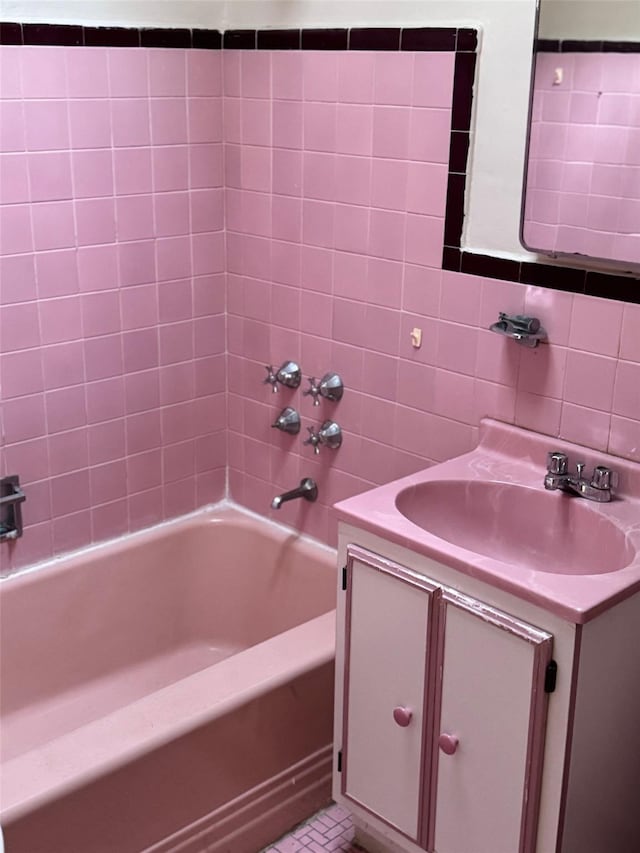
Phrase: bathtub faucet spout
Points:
(307, 490)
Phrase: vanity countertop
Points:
(508, 466)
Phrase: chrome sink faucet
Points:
(596, 488)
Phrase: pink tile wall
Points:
(335, 173)
(584, 174)
(112, 324)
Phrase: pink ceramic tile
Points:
(585, 426)
(433, 79)
(97, 267)
(169, 120)
(24, 418)
(142, 391)
(596, 325)
(136, 263)
(19, 326)
(320, 76)
(17, 279)
(630, 336)
(177, 383)
(66, 409)
(95, 221)
(389, 184)
(31, 458)
(393, 77)
(178, 421)
(57, 273)
(286, 68)
(60, 319)
(132, 170)
(319, 176)
(554, 309)
(626, 396)
(356, 73)
(144, 470)
(145, 508)
(429, 133)
(421, 289)
(171, 214)
(90, 124)
(427, 188)
(623, 438)
(53, 225)
(109, 520)
(87, 72)
(63, 364)
(128, 73)
(174, 257)
(100, 313)
(205, 120)
(178, 461)
(14, 178)
(255, 74)
(105, 402)
(287, 124)
(286, 218)
(140, 349)
(538, 413)
(16, 233)
(21, 373)
(130, 122)
(50, 176)
(143, 432)
(67, 452)
(354, 129)
(255, 168)
(589, 380)
(71, 531)
(70, 492)
(319, 127)
(205, 165)
(134, 217)
(103, 357)
(170, 167)
(317, 223)
(208, 253)
(390, 132)
(10, 72)
(287, 172)
(542, 371)
(353, 180)
(204, 72)
(12, 132)
(92, 173)
(44, 73)
(351, 228)
(168, 72)
(424, 236)
(387, 234)
(207, 210)
(457, 348)
(175, 301)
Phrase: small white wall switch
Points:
(416, 338)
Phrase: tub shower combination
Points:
(169, 691)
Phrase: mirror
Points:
(582, 182)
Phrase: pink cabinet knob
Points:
(402, 716)
(448, 743)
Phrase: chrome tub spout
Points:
(307, 490)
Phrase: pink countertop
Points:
(595, 546)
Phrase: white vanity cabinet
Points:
(451, 733)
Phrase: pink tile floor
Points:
(329, 830)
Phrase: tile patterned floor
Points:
(329, 830)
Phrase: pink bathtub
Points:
(168, 692)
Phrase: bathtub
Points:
(169, 691)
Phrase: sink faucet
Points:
(307, 490)
(598, 488)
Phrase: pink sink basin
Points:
(538, 530)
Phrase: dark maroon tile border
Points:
(463, 41)
(574, 46)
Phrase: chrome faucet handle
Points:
(289, 374)
(288, 421)
(557, 462)
(313, 390)
(332, 387)
(603, 478)
(271, 379)
(313, 440)
(580, 468)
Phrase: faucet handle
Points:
(313, 390)
(580, 468)
(603, 478)
(271, 378)
(313, 440)
(557, 462)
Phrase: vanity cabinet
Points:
(444, 698)
(452, 733)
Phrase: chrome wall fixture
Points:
(307, 490)
(11, 498)
(329, 435)
(330, 387)
(288, 421)
(288, 374)
(526, 331)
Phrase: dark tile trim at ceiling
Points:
(464, 41)
(579, 46)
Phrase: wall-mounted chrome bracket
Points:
(526, 331)
(11, 496)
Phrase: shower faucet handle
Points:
(330, 387)
(271, 379)
(329, 435)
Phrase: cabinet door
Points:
(489, 739)
(388, 621)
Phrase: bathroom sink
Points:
(529, 527)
